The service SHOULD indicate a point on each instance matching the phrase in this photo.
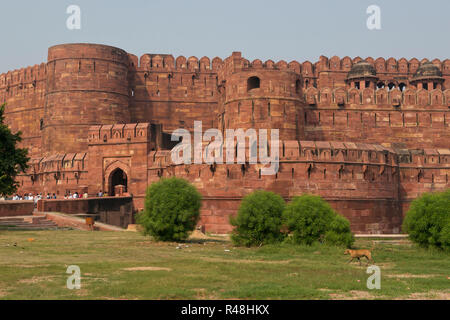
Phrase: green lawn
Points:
(203, 269)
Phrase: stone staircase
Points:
(27, 223)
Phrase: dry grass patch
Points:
(385, 265)
(196, 234)
(431, 295)
(247, 261)
(37, 279)
(203, 294)
(400, 242)
(351, 295)
(30, 265)
(147, 269)
(409, 275)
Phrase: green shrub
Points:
(310, 218)
(339, 232)
(259, 219)
(171, 211)
(427, 221)
(445, 236)
(307, 217)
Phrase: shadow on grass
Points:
(203, 241)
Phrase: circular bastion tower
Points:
(86, 85)
(261, 96)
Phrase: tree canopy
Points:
(13, 160)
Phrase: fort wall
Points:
(369, 184)
(260, 97)
(117, 211)
(412, 119)
(124, 149)
(23, 91)
(368, 135)
(16, 208)
(173, 92)
(57, 173)
(86, 85)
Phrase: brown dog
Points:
(358, 254)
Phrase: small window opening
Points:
(253, 83)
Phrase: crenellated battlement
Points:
(23, 82)
(333, 155)
(236, 63)
(380, 97)
(47, 173)
(314, 151)
(23, 75)
(119, 133)
(382, 65)
(167, 62)
(59, 162)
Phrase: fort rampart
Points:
(367, 135)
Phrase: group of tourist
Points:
(76, 195)
(101, 194)
(49, 196)
(31, 197)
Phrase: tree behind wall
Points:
(13, 160)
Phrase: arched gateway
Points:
(117, 177)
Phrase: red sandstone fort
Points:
(368, 136)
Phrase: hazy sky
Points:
(281, 29)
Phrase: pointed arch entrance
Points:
(116, 178)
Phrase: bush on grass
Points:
(428, 220)
(171, 211)
(259, 219)
(310, 219)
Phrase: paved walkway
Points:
(393, 236)
(67, 220)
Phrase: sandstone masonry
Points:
(367, 135)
